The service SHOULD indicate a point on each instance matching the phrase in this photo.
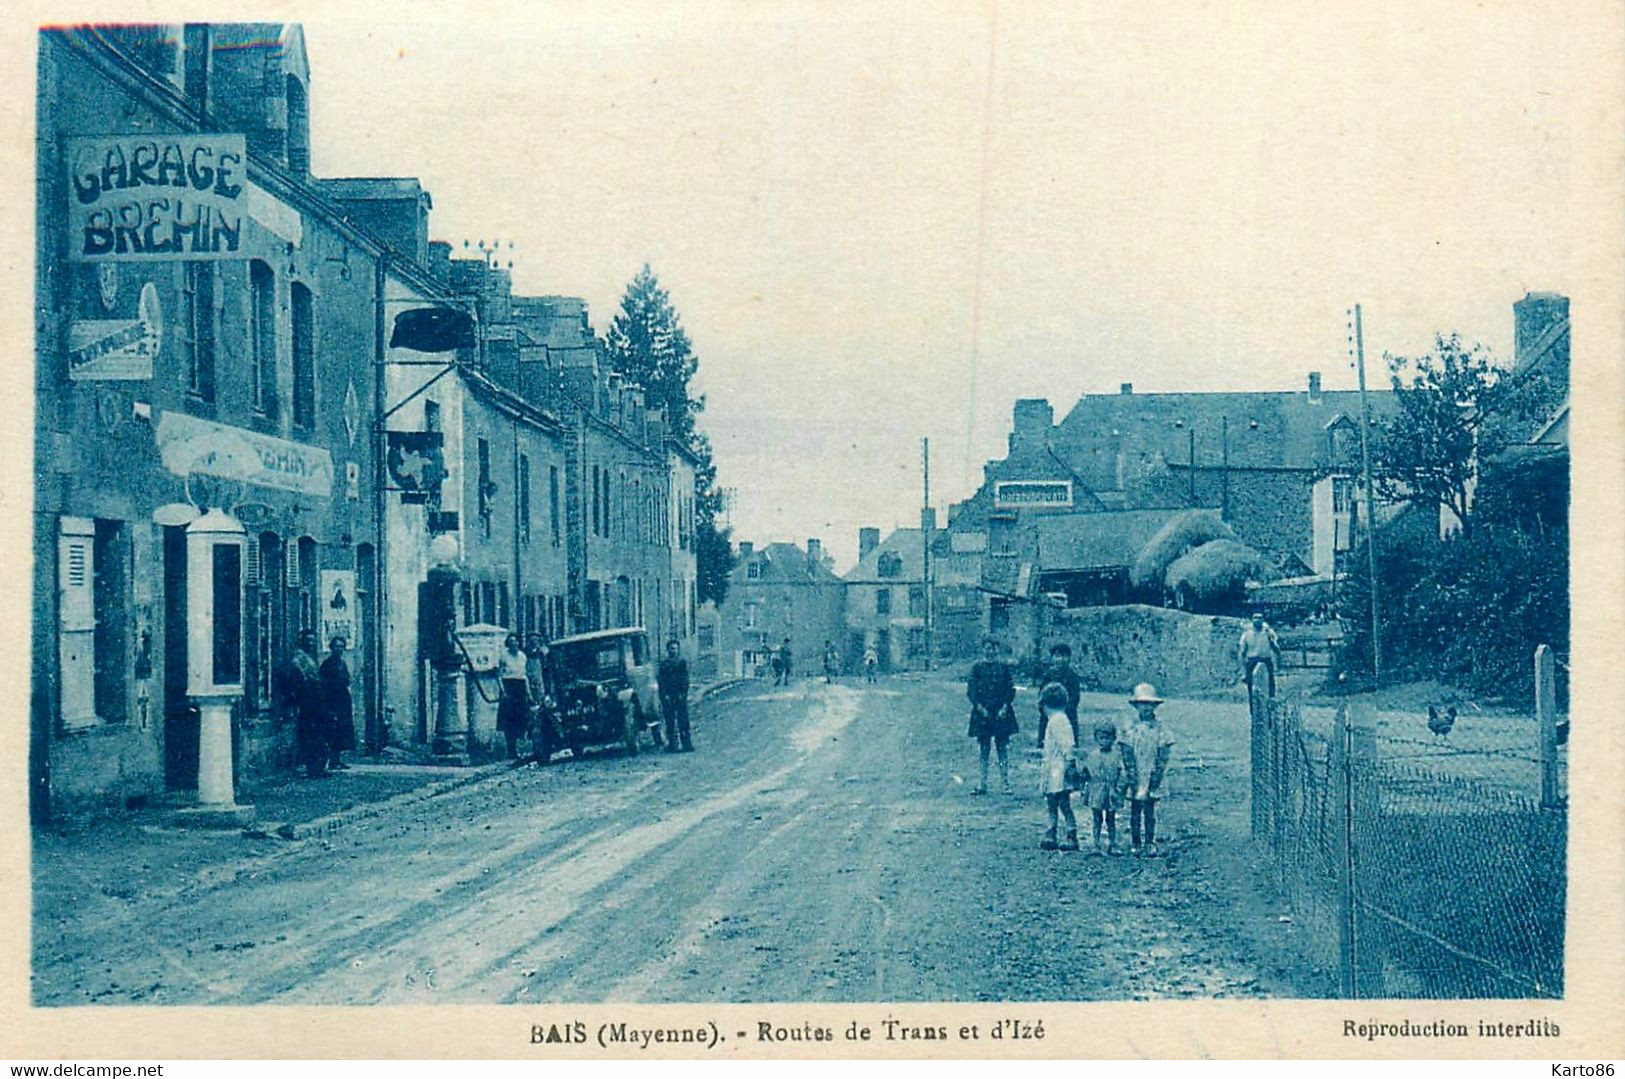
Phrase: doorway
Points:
(180, 717)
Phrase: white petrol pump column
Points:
(216, 545)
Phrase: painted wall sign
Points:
(190, 445)
(102, 350)
(338, 606)
(1014, 493)
(135, 198)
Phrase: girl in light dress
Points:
(1105, 774)
(1056, 783)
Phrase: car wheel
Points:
(629, 734)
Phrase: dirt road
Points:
(821, 845)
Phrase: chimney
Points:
(1314, 387)
(1532, 316)
(440, 260)
(1126, 389)
(578, 378)
(868, 540)
(1031, 424)
(928, 519)
(815, 552)
(654, 426)
(746, 549)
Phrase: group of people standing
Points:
(318, 695)
(1124, 766)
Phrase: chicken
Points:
(1441, 725)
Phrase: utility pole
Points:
(1370, 498)
(1224, 501)
(1191, 458)
(927, 524)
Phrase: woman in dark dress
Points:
(992, 692)
(337, 706)
(301, 691)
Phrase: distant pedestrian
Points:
(1106, 782)
(301, 692)
(672, 676)
(992, 691)
(1061, 673)
(513, 707)
(544, 733)
(1147, 746)
(784, 668)
(831, 661)
(1259, 646)
(1055, 781)
(871, 664)
(337, 707)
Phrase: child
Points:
(1106, 773)
(1058, 746)
(1147, 746)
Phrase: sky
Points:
(880, 226)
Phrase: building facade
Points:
(778, 592)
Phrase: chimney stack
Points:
(1126, 389)
(868, 540)
(1314, 387)
(1532, 316)
(746, 549)
(1031, 422)
(815, 552)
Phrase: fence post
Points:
(1355, 807)
(1262, 758)
(1546, 716)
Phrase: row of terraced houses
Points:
(221, 335)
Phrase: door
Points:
(180, 717)
(883, 648)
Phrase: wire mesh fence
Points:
(1412, 883)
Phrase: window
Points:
(553, 501)
(889, 564)
(883, 601)
(262, 336)
(1342, 494)
(198, 327)
(485, 487)
(597, 505)
(524, 498)
(753, 570)
(305, 586)
(503, 611)
(304, 357)
(916, 600)
(750, 616)
(431, 415)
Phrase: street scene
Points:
(417, 619)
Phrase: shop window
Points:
(262, 336)
(304, 356)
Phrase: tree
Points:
(1429, 451)
(647, 344)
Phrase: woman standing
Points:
(301, 689)
(337, 708)
(513, 711)
(992, 692)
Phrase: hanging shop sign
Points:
(416, 462)
(338, 606)
(148, 197)
(191, 446)
(105, 350)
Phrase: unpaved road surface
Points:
(820, 846)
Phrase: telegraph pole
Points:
(927, 523)
(1370, 499)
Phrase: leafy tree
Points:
(647, 344)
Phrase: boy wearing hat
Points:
(1147, 745)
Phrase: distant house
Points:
(885, 602)
(774, 592)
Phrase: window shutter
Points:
(76, 620)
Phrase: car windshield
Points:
(595, 660)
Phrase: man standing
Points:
(301, 690)
(831, 661)
(784, 663)
(672, 675)
(1060, 672)
(1258, 645)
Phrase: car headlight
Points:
(603, 694)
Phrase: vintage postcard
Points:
(764, 530)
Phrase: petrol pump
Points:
(216, 547)
(437, 628)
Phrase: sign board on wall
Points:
(338, 606)
(1028, 494)
(189, 445)
(151, 197)
(117, 349)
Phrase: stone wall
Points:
(1117, 647)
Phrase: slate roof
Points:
(907, 544)
(783, 563)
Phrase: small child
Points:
(1147, 745)
(1058, 746)
(1106, 775)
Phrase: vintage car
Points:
(604, 691)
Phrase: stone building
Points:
(886, 601)
(206, 344)
(774, 592)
